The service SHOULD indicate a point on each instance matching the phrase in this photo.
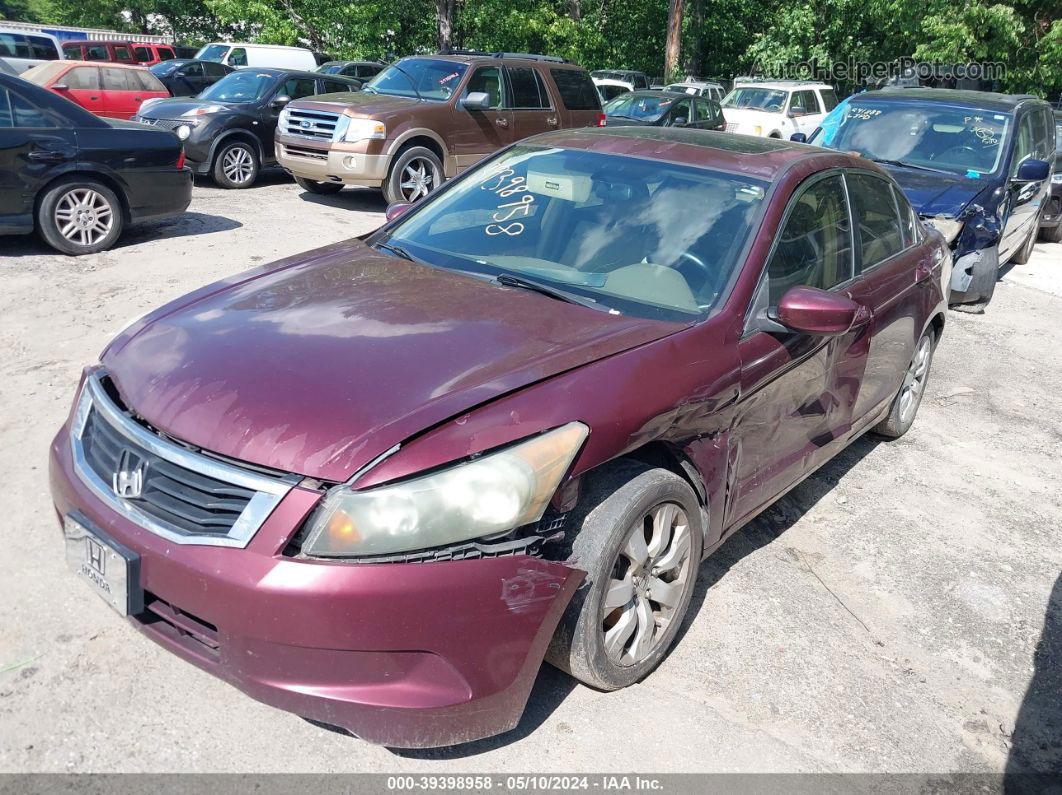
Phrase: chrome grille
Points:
(165, 124)
(180, 494)
(320, 125)
(302, 151)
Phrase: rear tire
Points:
(626, 614)
(236, 165)
(322, 188)
(414, 173)
(1052, 234)
(905, 405)
(80, 216)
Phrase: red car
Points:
(111, 90)
(376, 484)
(128, 52)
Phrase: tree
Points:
(673, 44)
(444, 15)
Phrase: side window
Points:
(908, 219)
(803, 103)
(26, 115)
(576, 89)
(829, 99)
(121, 53)
(7, 115)
(815, 245)
(706, 111)
(333, 86)
(298, 87)
(1042, 148)
(97, 52)
(73, 53)
(193, 69)
(212, 69)
(488, 80)
(143, 54)
(1024, 143)
(683, 109)
(42, 49)
(238, 57)
(165, 54)
(880, 236)
(147, 81)
(641, 81)
(86, 78)
(525, 88)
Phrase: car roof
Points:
(369, 63)
(467, 58)
(762, 158)
(781, 85)
(274, 71)
(652, 92)
(988, 100)
(108, 64)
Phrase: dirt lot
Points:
(884, 617)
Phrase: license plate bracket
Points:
(111, 569)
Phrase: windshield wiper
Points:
(412, 82)
(510, 280)
(398, 251)
(905, 164)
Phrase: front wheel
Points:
(905, 405)
(639, 538)
(80, 217)
(1024, 254)
(414, 173)
(323, 188)
(236, 165)
(1052, 234)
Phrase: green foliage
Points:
(720, 37)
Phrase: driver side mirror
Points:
(798, 138)
(679, 121)
(60, 87)
(1033, 171)
(393, 211)
(810, 310)
(280, 102)
(796, 112)
(476, 100)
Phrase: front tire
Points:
(1052, 234)
(905, 405)
(639, 538)
(80, 216)
(1024, 254)
(322, 188)
(236, 165)
(414, 173)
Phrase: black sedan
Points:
(78, 179)
(228, 129)
(186, 77)
(664, 109)
(360, 70)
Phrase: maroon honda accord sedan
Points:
(376, 484)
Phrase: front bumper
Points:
(404, 655)
(332, 165)
(973, 276)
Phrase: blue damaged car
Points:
(975, 165)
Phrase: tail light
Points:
(180, 159)
(601, 120)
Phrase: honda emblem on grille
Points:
(128, 481)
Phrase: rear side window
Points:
(193, 69)
(331, 86)
(143, 54)
(298, 87)
(119, 80)
(165, 54)
(97, 52)
(366, 71)
(576, 89)
(213, 69)
(147, 81)
(86, 78)
(706, 111)
(17, 112)
(121, 52)
(829, 99)
(42, 49)
(815, 246)
(73, 53)
(908, 219)
(880, 235)
(525, 89)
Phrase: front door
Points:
(797, 390)
(805, 111)
(478, 133)
(1024, 198)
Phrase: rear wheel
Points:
(80, 217)
(414, 173)
(236, 165)
(313, 186)
(905, 405)
(639, 539)
(1052, 234)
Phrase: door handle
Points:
(552, 121)
(47, 156)
(863, 316)
(138, 99)
(502, 122)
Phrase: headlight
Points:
(949, 227)
(486, 496)
(361, 129)
(203, 110)
(183, 132)
(1056, 179)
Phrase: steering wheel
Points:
(958, 149)
(709, 275)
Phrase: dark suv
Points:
(426, 118)
(228, 129)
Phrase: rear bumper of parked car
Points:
(1052, 214)
(405, 655)
(332, 165)
(159, 194)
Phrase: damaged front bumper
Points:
(973, 276)
(404, 655)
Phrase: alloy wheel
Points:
(83, 216)
(418, 178)
(238, 164)
(915, 379)
(647, 585)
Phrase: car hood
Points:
(173, 108)
(937, 194)
(322, 364)
(619, 121)
(360, 103)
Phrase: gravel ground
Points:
(883, 617)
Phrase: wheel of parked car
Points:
(1052, 234)
(1024, 254)
(414, 173)
(639, 539)
(313, 186)
(236, 165)
(80, 216)
(905, 405)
